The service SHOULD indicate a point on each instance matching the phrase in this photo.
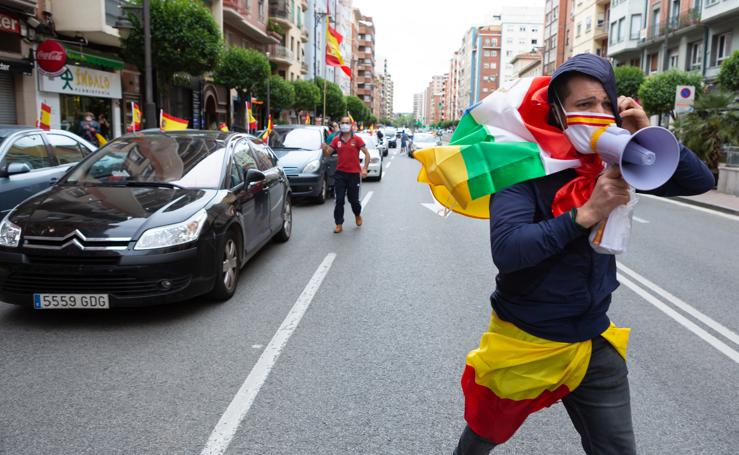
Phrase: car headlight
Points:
(374, 160)
(10, 233)
(174, 234)
(313, 166)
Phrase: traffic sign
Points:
(684, 98)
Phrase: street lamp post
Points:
(268, 88)
(125, 26)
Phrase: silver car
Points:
(31, 160)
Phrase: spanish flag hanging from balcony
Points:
(268, 130)
(44, 121)
(333, 49)
(171, 123)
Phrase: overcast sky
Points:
(418, 38)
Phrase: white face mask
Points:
(345, 128)
(584, 129)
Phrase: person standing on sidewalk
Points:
(349, 173)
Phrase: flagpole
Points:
(323, 119)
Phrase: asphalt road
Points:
(373, 364)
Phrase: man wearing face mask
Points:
(553, 290)
(349, 173)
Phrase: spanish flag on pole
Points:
(44, 121)
(251, 122)
(135, 117)
(333, 49)
(267, 131)
(170, 122)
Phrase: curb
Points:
(706, 205)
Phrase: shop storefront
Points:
(16, 82)
(83, 95)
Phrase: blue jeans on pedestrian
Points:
(346, 183)
(600, 408)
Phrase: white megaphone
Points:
(648, 158)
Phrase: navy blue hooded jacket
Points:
(551, 283)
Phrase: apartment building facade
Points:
(419, 106)
(689, 35)
(288, 56)
(522, 31)
(434, 97)
(363, 58)
(591, 29)
(558, 33)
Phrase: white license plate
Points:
(65, 301)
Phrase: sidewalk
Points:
(722, 202)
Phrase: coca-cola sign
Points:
(51, 56)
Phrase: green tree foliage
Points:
(728, 75)
(657, 92)
(360, 112)
(713, 123)
(335, 103)
(242, 69)
(281, 94)
(184, 38)
(405, 120)
(372, 120)
(628, 80)
(386, 121)
(307, 95)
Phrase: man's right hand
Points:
(610, 191)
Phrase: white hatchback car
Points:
(374, 170)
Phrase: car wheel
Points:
(228, 276)
(323, 194)
(287, 222)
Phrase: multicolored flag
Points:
(171, 123)
(251, 122)
(44, 121)
(503, 140)
(351, 119)
(333, 49)
(268, 130)
(307, 119)
(223, 127)
(135, 117)
(514, 374)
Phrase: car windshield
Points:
(424, 137)
(369, 141)
(295, 138)
(156, 160)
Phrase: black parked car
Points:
(298, 148)
(32, 159)
(150, 218)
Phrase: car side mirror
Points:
(14, 168)
(253, 176)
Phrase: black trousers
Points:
(346, 183)
(600, 409)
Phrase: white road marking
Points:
(436, 207)
(366, 199)
(227, 426)
(694, 207)
(257, 346)
(717, 326)
(640, 220)
(680, 319)
(388, 165)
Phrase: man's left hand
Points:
(364, 173)
(633, 117)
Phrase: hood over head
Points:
(593, 66)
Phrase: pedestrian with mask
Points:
(549, 337)
(349, 173)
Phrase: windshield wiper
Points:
(144, 184)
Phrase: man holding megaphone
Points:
(550, 338)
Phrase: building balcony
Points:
(600, 32)
(713, 9)
(304, 34)
(93, 19)
(236, 14)
(279, 10)
(281, 54)
(304, 67)
(303, 5)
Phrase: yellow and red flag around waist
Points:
(514, 374)
(171, 123)
(251, 122)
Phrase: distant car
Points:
(374, 170)
(391, 136)
(425, 140)
(32, 159)
(298, 148)
(164, 218)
